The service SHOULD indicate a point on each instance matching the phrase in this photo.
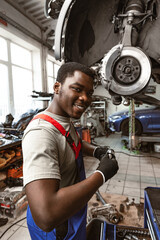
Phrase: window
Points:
(51, 79)
(3, 52)
(21, 60)
(56, 67)
(4, 105)
(21, 56)
(16, 79)
(22, 89)
(52, 69)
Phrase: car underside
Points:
(119, 39)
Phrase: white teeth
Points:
(80, 107)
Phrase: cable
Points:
(135, 155)
(11, 226)
(149, 15)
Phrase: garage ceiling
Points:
(35, 11)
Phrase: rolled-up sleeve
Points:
(40, 156)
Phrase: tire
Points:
(138, 128)
(125, 127)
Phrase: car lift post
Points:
(132, 139)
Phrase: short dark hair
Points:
(68, 69)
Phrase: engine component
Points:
(133, 5)
(107, 211)
(52, 8)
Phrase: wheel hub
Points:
(126, 70)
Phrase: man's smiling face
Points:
(74, 95)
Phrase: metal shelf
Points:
(9, 144)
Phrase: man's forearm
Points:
(87, 148)
(50, 208)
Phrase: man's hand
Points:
(100, 151)
(108, 166)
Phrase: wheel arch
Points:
(136, 119)
(127, 119)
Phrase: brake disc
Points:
(125, 70)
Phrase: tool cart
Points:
(101, 228)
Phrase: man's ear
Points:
(56, 87)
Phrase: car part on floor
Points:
(107, 211)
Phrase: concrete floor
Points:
(136, 172)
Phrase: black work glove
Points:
(100, 151)
(108, 165)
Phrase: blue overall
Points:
(77, 223)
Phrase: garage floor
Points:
(136, 172)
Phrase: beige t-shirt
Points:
(46, 153)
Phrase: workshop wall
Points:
(111, 108)
(101, 91)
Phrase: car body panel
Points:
(149, 119)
